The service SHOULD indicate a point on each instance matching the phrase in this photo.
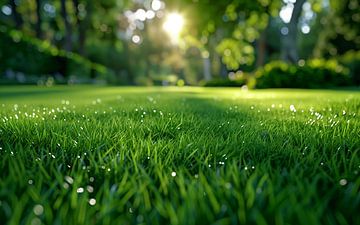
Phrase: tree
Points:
(239, 23)
(17, 17)
(68, 29)
(339, 25)
(290, 49)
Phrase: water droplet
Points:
(292, 108)
(173, 174)
(92, 201)
(69, 179)
(38, 210)
(90, 189)
(35, 221)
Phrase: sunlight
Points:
(173, 25)
(286, 13)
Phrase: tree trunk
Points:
(76, 7)
(290, 51)
(82, 24)
(17, 17)
(261, 49)
(207, 68)
(39, 19)
(68, 31)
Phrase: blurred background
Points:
(245, 43)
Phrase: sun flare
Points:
(173, 25)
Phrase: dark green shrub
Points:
(32, 56)
(225, 83)
(352, 61)
(317, 73)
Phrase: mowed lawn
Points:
(112, 155)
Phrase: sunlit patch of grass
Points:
(108, 155)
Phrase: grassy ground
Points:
(92, 155)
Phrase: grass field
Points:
(108, 155)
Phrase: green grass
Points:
(178, 156)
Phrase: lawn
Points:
(110, 155)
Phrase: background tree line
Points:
(222, 41)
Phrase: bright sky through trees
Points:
(173, 25)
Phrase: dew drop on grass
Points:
(343, 182)
(35, 221)
(80, 190)
(69, 179)
(38, 210)
(173, 174)
(90, 189)
(92, 201)
(30, 182)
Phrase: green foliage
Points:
(317, 73)
(21, 53)
(352, 61)
(74, 155)
(235, 53)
